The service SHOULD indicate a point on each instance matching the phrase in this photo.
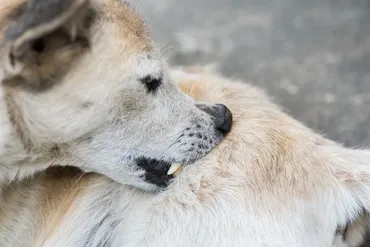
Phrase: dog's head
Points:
(86, 86)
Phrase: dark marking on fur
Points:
(55, 151)
(90, 18)
(15, 117)
(344, 235)
(104, 241)
(341, 231)
(155, 171)
(152, 83)
(85, 105)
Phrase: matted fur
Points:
(271, 182)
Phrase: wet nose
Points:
(223, 118)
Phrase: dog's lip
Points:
(160, 167)
(151, 164)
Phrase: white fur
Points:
(271, 183)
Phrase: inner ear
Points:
(32, 25)
(38, 45)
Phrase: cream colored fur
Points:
(82, 83)
(272, 182)
(82, 101)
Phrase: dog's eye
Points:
(151, 83)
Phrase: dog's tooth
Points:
(178, 171)
(174, 167)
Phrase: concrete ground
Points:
(313, 56)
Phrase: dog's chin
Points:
(148, 188)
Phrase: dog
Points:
(271, 182)
(82, 83)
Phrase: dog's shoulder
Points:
(36, 208)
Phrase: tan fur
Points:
(48, 200)
(131, 27)
(271, 182)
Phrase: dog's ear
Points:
(37, 28)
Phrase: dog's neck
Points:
(12, 154)
(15, 162)
(9, 142)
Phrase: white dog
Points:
(271, 182)
(82, 83)
(83, 86)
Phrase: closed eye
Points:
(152, 83)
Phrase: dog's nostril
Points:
(222, 116)
(224, 119)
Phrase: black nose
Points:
(223, 118)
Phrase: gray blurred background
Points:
(313, 56)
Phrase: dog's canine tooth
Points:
(177, 173)
(174, 168)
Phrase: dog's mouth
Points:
(158, 172)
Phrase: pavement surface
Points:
(313, 56)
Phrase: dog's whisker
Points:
(169, 138)
(135, 4)
(155, 13)
(164, 51)
(172, 144)
(164, 47)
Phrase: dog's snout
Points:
(223, 118)
(221, 114)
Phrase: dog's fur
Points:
(271, 182)
(80, 99)
(82, 83)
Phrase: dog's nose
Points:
(223, 118)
